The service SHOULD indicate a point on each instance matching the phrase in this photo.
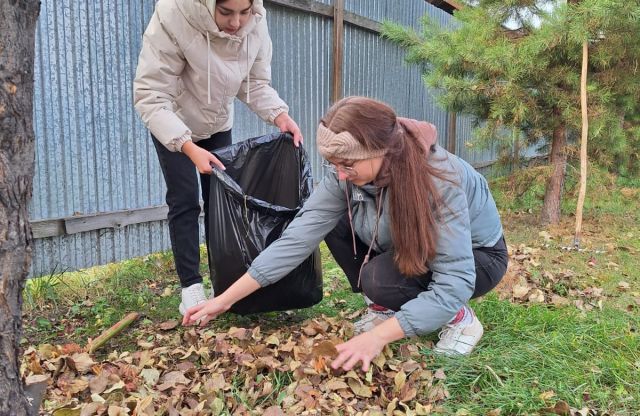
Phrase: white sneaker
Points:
(370, 320)
(191, 296)
(459, 339)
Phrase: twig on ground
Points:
(93, 345)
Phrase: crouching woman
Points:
(414, 228)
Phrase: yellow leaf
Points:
(393, 405)
(547, 395)
(379, 361)
(217, 406)
(272, 340)
(399, 381)
(359, 389)
(423, 410)
(520, 291)
(536, 296)
(335, 384)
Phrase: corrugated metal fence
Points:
(98, 190)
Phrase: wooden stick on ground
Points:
(93, 345)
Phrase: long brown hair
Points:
(414, 201)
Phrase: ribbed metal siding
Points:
(92, 153)
(376, 68)
(301, 73)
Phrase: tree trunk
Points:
(17, 45)
(553, 193)
(583, 144)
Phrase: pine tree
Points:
(515, 65)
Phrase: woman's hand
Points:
(201, 158)
(364, 347)
(204, 312)
(286, 124)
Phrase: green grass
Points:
(587, 358)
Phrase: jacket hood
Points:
(421, 130)
(200, 14)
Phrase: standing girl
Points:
(196, 57)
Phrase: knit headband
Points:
(343, 146)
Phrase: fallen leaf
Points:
(168, 325)
(336, 384)
(358, 388)
(520, 291)
(544, 396)
(561, 408)
(81, 362)
(325, 349)
(36, 378)
(99, 383)
(150, 376)
(536, 296)
(399, 381)
(175, 377)
(273, 411)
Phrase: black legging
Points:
(183, 199)
(383, 283)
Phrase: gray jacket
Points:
(470, 219)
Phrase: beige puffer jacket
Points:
(189, 72)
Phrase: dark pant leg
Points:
(214, 142)
(491, 266)
(383, 283)
(184, 208)
(340, 243)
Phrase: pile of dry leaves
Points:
(241, 371)
(521, 285)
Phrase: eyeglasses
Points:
(347, 170)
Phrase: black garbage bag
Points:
(265, 183)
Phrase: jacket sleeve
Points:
(319, 215)
(262, 98)
(155, 87)
(453, 269)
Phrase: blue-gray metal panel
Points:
(92, 152)
(375, 67)
(406, 12)
(79, 251)
(301, 73)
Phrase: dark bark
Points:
(553, 193)
(17, 46)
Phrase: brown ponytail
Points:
(413, 198)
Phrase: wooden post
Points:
(451, 133)
(338, 42)
(583, 143)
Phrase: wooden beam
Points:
(448, 6)
(321, 9)
(309, 6)
(116, 219)
(47, 228)
(338, 43)
(362, 22)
